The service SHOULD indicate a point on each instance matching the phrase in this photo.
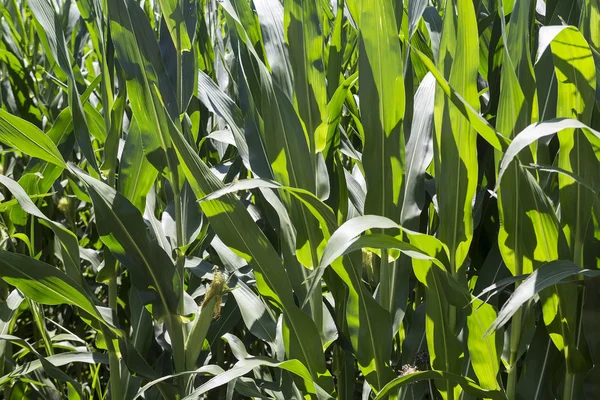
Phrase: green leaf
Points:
(45, 284)
(271, 17)
(48, 25)
(139, 56)
(382, 89)
(57, 360)
(123, 231)
(443, 346)
(467, 384)
(39, 176)
(537, 131)
(415, 11)
(68, 241)
(172, 11)
(419, 154)
(9, 310)
(455, 153)
(550, 274)
(218, 102)
(333, 113)
(575, 73)
(136, 173)
(52, 370)
(346, 239)
(542, 360)
(28, 139)
(305, 43)
(206, 370)
(478, 123)
(226, 216)
(256, 317)
(383, 103)
(244, 366)
(519, 219)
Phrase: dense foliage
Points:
(290, 199)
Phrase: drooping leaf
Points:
(27, 138)
(467, 384)
(123, 231)
(550, 274)
(46, 284)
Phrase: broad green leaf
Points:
(467, 384)
(575, 72)
(49, 26)
(11, 204)
(9, 311)
(173, 14)
(304, 38)
(482, 127)
(113, 125)
(242, 12)
(544, 242)
(218, 102)
(383, 103)
(455, 152)
(348, 237)
(433, 22)
(580, 181)
(244, 366)
(419, 154)
(28, 139)
(20, 81)
(375, 241)
(296, 272)
(335, 47)
(52, 370)
(550, 274)
(139, 56)
(319, 209)
(382, 91)
(484, 351)
(443, 346)
(255, 314)
(589, 26)
(369, 325)
(57, 360)
(576, 86)
(444, 292)
(226, 216)
(334, 113)
(46, 284)
(537, 131)
(542, 360)
(123, 231)
(141, 322)
(68, 241)
(518, 219)
(288, 153)
(207, 370)
(311, 204)
(136, 173)
(415, 11)
(40, 175)
(271, 17)
(292, 162)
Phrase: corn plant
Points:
(285, 199)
